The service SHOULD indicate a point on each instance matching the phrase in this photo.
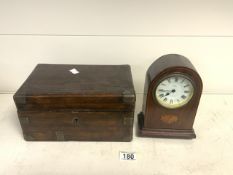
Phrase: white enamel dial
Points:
(174, 91)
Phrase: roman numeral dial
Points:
(174, 91)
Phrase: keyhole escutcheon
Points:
(75, 121)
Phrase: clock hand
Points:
(170, 91)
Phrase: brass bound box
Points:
(77, 102)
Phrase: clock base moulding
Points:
(163, 133)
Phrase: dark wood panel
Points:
(94, 87)
(75, 134)
(77, 126)
(60, 103)
(67, 119)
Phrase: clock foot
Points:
(163, 133)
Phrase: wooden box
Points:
(94, 103)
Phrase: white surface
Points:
(174, 91)
(133, 32)
(211, 153)
(212, 56)
(117, 17)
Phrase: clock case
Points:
(158, 121)
(97, 104)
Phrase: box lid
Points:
(89, 87)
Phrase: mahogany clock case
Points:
(158, 121)
(96, 104)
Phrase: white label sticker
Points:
(74, 71)
(127, 155)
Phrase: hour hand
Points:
(170, 91)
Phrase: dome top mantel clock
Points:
(172, 93)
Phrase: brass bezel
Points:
(186, 76)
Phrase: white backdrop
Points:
(116, 32)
